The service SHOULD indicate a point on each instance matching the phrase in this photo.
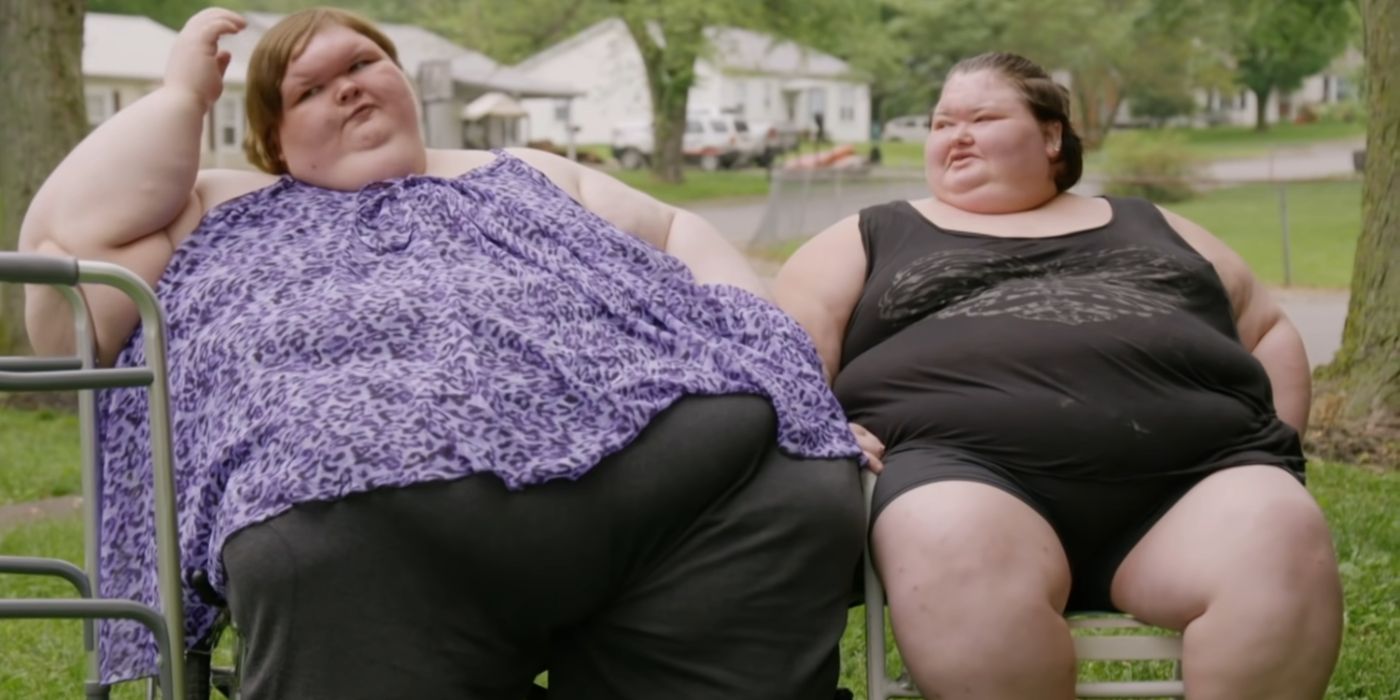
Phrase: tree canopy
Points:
(1278, 43)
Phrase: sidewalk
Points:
(1320, 315)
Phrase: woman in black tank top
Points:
(1074, 403)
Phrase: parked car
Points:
(911, 127)
(710, 141)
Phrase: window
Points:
(228, 124)
(740, 98)
(816, 102)
(848, 104)
(561, 111)
(101, 104)
(1244, 99)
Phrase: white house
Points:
(1334, 84)
(124, 58)
(752, 75)
(1237, 106)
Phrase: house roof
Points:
(746, 50)
(417, 46)
(734, 49)
(493, 104)
(133, 47)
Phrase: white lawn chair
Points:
(1088, 646)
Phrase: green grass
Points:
(1324, 221)
(1242, 142)
(699, 184)
(39, 455)
(903, 154)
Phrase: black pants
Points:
(697, 563)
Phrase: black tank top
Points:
(1108, 354)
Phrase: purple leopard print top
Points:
(324, 343)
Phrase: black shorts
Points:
(697, 562)
(1098, 522)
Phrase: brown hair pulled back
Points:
(1047, 100)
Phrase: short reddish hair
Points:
(268, 66)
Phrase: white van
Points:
(911, 127)
(712, 141)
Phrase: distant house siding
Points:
(607, 68)
(604, 63)
(1236, 106)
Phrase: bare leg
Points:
(977, 583)
(1244, 565)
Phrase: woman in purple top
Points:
(448, 419)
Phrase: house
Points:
(1237, 106)
(448, 80)
(752, 75)
(124, 58)
(1332, 85)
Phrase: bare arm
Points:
(122, 192)
(820, 285)
(1263, 327)
(678, 232)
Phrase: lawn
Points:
(39, 455)
(699, 184)
(42, 659)
(1324, 221)
(1245, 142)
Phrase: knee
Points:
(1295, 554)
(1000, 558)
(964, 582)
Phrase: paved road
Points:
(1319, 316)
(1331, 159)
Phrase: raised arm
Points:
(820, 285)
(127, 193)
(1263, 327)
(685, 235)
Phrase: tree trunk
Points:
(670, 73)
(1261, 110)
(42, 116)
(1097, 97)
(1358, 401)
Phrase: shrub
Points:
(1349, 111)
(1151, 165)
